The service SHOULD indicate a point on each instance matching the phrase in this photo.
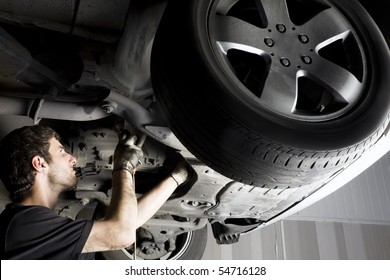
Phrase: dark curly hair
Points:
(17, 150)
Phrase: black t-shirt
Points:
(37, 232)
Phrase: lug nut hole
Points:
(281, 28)
(285, 62)
(303, 39)
(306, 59)
(269, 42)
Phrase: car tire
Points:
(270, 98)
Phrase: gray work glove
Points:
(128, 152)
(181, 172)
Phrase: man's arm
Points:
(124, 214)
(117, 229)
(151, 202)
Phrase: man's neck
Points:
(44, 196)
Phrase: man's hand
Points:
(181, 172)
(128, 152)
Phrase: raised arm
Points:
(117, 229)
(151, 202)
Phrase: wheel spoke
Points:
(279, 93)
(230, 31)
(276, 11)
(337, 79)
(325, 26)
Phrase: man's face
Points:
(61, 173)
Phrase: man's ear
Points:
(39, 164)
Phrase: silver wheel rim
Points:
(302, 66)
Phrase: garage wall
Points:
(308, 240)
(352, 223)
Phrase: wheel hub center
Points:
(289, 45)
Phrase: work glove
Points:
(181, 171)
(128, 152)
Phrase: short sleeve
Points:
(37, 232)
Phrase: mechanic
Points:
(36, 169)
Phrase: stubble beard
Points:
(62, 184)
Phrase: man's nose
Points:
(73, 159)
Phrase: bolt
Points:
(195, 203)
(285, 62)
(303, 39)
(84, 201)
(281, 28)
(269, 42)
(109, 107)
(306, 59)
